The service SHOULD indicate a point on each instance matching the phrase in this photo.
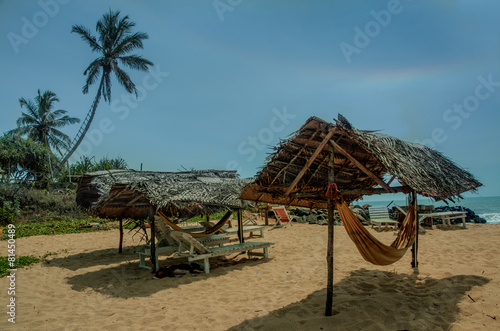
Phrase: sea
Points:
(485, 207)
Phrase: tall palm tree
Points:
(40, 122)
(114, 41)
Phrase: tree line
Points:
(37, 151)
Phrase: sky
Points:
(234, 77)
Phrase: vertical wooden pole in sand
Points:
(240, 226)
(152, 212)
(329, 254)
(414, 249)
(120, 246)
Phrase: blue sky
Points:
(234, 77)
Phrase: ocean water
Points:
(486, 207)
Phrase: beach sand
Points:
(87, 285)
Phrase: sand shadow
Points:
(375, 300)
(127, 280)
(93, 258)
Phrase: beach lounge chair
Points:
(198, 251)
(232, 231)
(250, 218)
(166, 245)
(379, 215)
(282, 217)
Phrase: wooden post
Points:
(120, 246)
(240, 226)
(414, 248)
(329, 254)
(266, 215)
(152, 212)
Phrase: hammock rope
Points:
(203, 234)
(371, 248)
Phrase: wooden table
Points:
(445, 216)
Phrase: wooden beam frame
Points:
(311, 160)
(294, 158)
(372, 191)
(361, 167)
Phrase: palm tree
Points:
(40, 122)
(114, 41)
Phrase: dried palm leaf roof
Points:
(297, 172)
(129, 193)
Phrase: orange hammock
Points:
(370, 248)
(204, 234)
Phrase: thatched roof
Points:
(129, 193)
(416, 167)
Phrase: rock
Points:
(300, 219)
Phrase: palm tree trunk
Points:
(85, 125)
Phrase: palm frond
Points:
(92, 72)
(131, 42)
(124, 80)
(87, 36)
(136, 62)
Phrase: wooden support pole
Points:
(240, 226)
(120, 246)
(329, 254)
(152, 212)
(266, 215)
(414, 248)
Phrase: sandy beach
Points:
(87, 285)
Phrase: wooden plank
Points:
(134, 200)
(373, 191)
(361, 167)
(310, 161)
(390, 180)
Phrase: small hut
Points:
(323, 163)
(140, 195)
(130, 193)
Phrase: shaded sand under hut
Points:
(326, 165)
(139, 195)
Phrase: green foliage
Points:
(28, 204)
(40, 122)
(88, 164)
(24, 159)
(21, 261)
(60, 225)
(9, 210)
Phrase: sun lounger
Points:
(166, 245)
(282, 217)
(234, 231)
(380, 216)
(250, 218)
(198, 251)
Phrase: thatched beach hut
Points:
(130, 193)
(140, 195)
(323, 163)
(365, 163)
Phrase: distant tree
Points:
(24, 160)
(114, 41)
(89, 164)
(41, 122)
